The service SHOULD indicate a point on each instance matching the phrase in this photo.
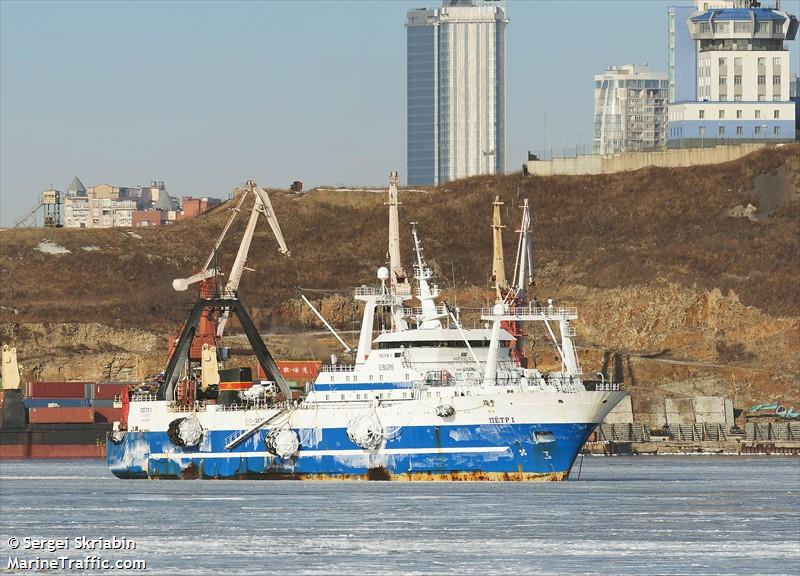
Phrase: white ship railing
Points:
(197, 406)
(143, 398)
(554, 312)
(606, 387)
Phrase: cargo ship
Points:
(427, 399)
(57, 419)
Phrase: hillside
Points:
(670, 264)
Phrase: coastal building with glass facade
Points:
(456, 86)
(630, 110)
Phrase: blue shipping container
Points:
(56, 402)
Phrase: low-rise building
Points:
(105, 205)
(145, 218)
(192, 207)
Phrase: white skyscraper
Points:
(456, 90)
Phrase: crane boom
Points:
(244, 248)
(269, 212)
(181, 284)
(234, 212)
(261, 205)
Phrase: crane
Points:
(261, 205)
(212, 323)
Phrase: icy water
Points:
(628, 515)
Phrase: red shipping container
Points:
(297, 370)
(55, 389)
(60, 415)
(107, 391)
(107, 415)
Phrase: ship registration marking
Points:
(501, 419)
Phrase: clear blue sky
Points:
(205, 95)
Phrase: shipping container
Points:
(57, 402)
(107, 390)
(60, 415)
(297, 372)
(55, 389)
(107, 414)
(236, 375)
(100, 403)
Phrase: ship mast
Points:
(511, 296)
(398, 279)
(430, 317)
(398, 274)
(523, 266)
(498, 264)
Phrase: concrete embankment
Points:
(611, 448)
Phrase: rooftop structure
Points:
(76, 187)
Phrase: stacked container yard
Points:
(58, 419)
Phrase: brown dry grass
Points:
(597, 231)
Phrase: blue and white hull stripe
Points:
(492, 451)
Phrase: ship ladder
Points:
(237, 438)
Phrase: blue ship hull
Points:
(466, 452)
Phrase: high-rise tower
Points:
(456, 70)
